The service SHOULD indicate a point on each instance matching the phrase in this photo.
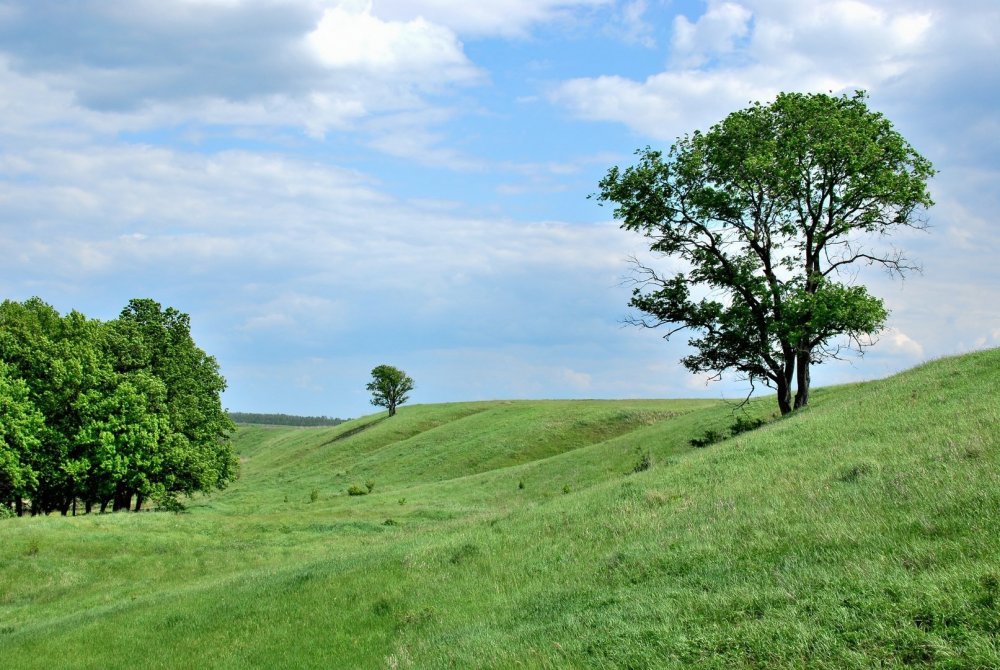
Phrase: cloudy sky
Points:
(329, 185)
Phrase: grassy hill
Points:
(862, 532)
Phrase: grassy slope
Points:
(861, 532)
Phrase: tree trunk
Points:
(19, 505)
(783, 379)
(104, 505)
(392, 409)
(784, 396)
(802, 378)
(88, 505)
(123, 501)
(138, 502)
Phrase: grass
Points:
(861, 532)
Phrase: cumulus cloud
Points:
(751, 50)
(350, 37)
(270, 63)
(715, 32)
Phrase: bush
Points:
(6, 512)
(170, 503)
(644, 463)
(710, 437)
(355, 490)
(744, 424)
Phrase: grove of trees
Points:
(107, 413)
(765, 215)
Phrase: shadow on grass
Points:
(354, 431)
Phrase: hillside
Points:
(861, 532)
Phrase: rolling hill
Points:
(860, 532)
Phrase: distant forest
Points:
(284, 419)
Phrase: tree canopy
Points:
(765, 212)
(104, 412)
(390, 387)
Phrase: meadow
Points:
(863, 531)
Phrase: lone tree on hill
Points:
(767, 210)
(389, 387)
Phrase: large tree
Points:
(765, 212)
(390, 387)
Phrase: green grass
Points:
(862, 532)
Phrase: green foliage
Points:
(767, 208)
(390, 387)
(355, 490)
(104, 412)
(314, 495)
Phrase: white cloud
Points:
(667, 104)
(274, 64)
(898, 342)
(630, 24)
(715, 32)
(350, 37)
(739, 52)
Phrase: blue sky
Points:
(325, 186)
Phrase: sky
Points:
(326, 186)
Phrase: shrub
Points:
(355, 490)
(644, 463)
(566, 488)
(710, 437)
(389, 522)
(744, 424)
(170, 503)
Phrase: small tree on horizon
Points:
(389, 387)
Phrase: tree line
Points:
(112, 413)
(284, 419)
